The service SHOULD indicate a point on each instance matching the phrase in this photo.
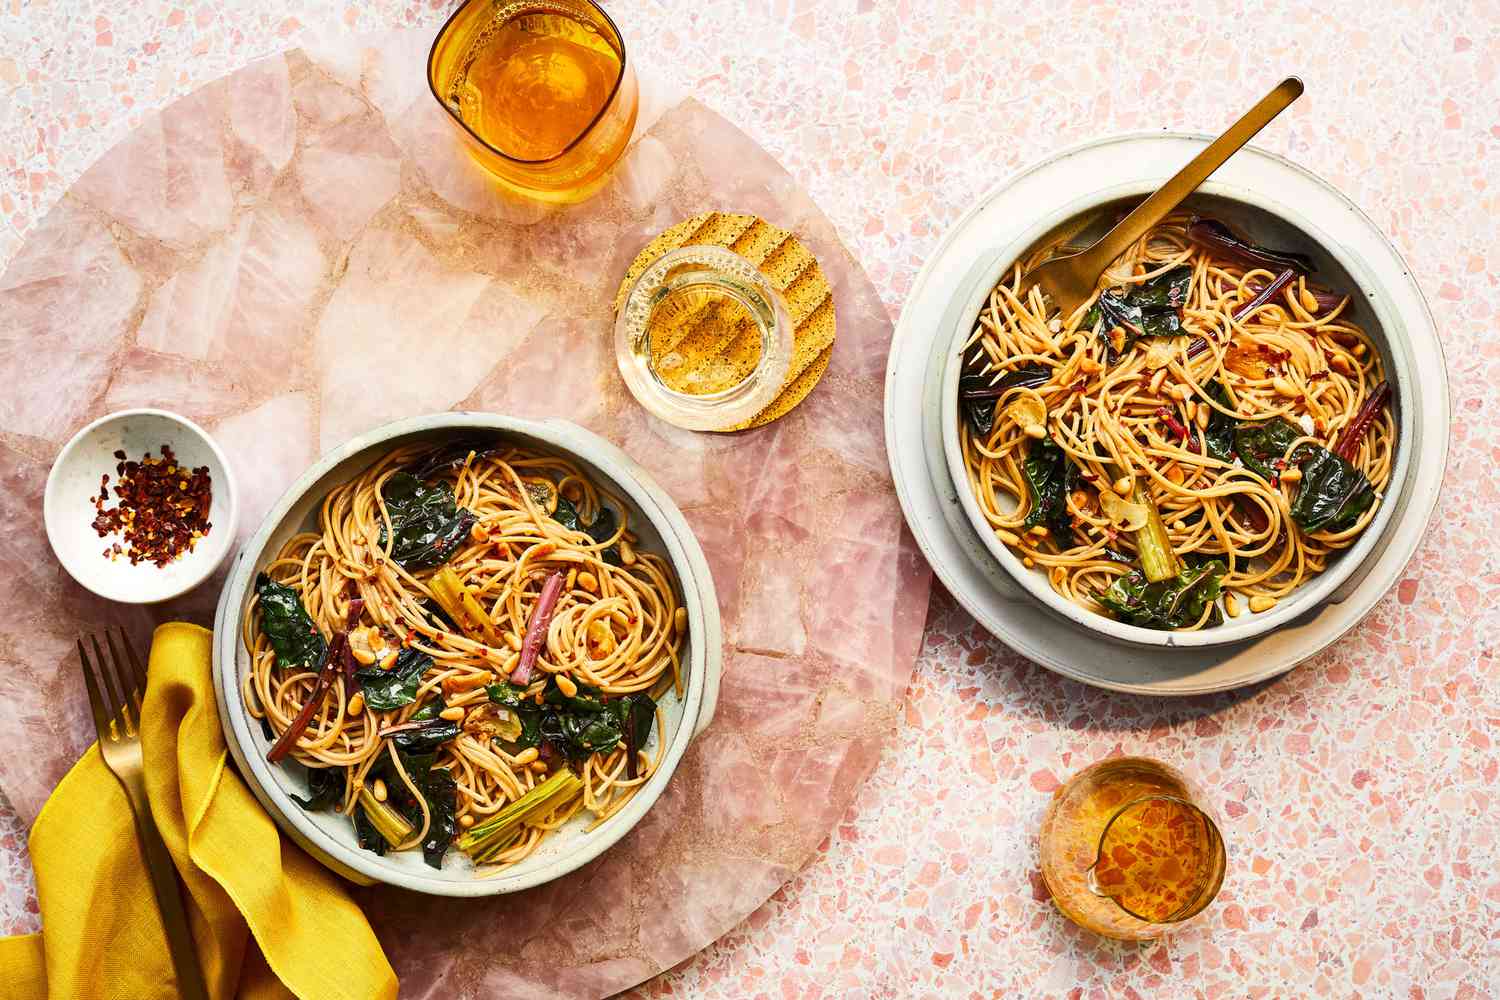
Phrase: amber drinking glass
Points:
(540, 90)
(1127, 852)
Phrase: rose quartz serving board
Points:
(301, 251)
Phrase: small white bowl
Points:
(73, 483)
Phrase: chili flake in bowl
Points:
(139, 506)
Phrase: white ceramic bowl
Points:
(73, 483)
(330, 837)
(1257, 212)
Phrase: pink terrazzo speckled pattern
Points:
(1359, 792)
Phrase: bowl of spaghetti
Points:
(465, 652)
(1199, 454)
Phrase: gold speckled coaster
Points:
(791, 269)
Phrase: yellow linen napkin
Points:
(269, 921)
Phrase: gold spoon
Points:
(1070, 281)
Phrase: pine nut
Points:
(1283, 387)
(378, 790)
(1028, 562)
(1180, 392)
(1090, 367)
(1291, 474)
(566, 686)
(1358, 348)
(539, 766)
(356, 704)
(627, 554)
(466, 820)
(1341, 364)
(480, 533)
(363, 655)
(1036, 431)
(1122, 486)
(1204, 414)
(513, 641)
(1041, 531)
(389, 659)
(1260, 603)
(1231, 605)
(1157, 380)
(452, 714)
(1190, 409)
(572, 578)
(526, 756)
(679, 619)
(1174, 473)
(1055, 325)
(1008, 537)
(1309, 301)
(589, 582)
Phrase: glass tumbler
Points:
(506, 71)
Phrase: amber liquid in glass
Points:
(1124, 852)
(534, 83)
(702, 340)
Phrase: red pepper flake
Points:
(161, 508)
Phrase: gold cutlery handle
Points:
(1183, 183)
(163, 874)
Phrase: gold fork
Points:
(116, 684)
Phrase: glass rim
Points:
(1205, 896)
(725, 408)
(578, 139)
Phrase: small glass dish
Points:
(582, 165)
(718, 299)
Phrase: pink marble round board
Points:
(301, 251)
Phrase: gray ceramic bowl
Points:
(329, 837)
(1081, 218)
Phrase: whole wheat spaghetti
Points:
(1210, 427)
(489, 647)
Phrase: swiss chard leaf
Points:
(428, 711)
(600, 529)
(637, 713)
(441, 792)
(368, 837)
(390, 689)
(1048, 473)
(579, 734)
(325, 787)
(587, 699)
(976, 396)
(1218, 437)
(509, 695)
(427, 524)
(1168, 604)
(1150, 309)
(1262, 443)
(297, 642)
(451, 456)
(427, 737)
(1333, 495)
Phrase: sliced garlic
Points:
(1028, 411)
(1126, 515)
(1159, 352)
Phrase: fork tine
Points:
(132, 677)
(119, 692)
(106, 679)
(96, 698)
(115, 667)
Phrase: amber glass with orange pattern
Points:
(1126, 850)
(540, 90)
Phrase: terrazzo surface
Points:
(1358, 791)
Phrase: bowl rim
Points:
(1311, 594)
(699, 695)
(224, 486)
